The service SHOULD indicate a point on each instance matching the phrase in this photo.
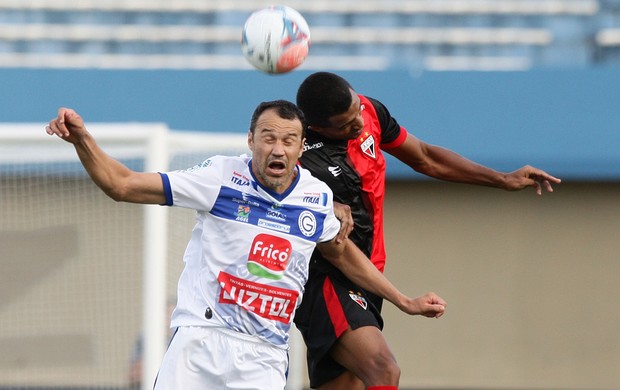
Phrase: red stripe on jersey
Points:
(368, 161)
(334, 308)
(398, 141)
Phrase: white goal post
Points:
(80, 268)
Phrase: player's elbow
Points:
(116, 196)
(117, 193)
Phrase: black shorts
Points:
(331, 304)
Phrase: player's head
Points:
(331, 106)
(276, 139)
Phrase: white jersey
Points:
(247, 260)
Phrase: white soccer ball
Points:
(275, 39)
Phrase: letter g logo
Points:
(307, 223)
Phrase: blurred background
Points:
(531, 281)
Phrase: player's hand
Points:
(428, 305)
(343, 213)
(68, 125)
(529, 176)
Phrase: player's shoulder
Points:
(307, 181)
(222, 162)
(221, 159)
(373, 105)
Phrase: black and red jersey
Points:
(355, 172)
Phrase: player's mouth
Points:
(276, 168)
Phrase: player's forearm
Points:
(445, 164)
(107, 173)
(356, 266)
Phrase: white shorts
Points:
(204, 358)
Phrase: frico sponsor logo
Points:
(307, 223)
(240, 180)
(243, 212)
(269, 256)
(368, 144)
(359, 299)
(272, 303)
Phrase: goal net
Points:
(83, 277)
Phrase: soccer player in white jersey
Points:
(258, 221)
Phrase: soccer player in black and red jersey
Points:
(341, 323)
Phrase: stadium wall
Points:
(531, 285)
(564, 120)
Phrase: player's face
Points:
(276, 146)
(347, 125)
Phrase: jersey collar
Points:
(313, 137)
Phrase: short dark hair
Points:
(323, 95)
(284, 109)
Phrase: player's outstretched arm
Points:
(115, 179)
(444, 164)
(356, 266)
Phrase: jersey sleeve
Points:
(194, 188)
(331, 224)
(392, 133)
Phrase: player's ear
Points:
(301, 150)
(250, 140)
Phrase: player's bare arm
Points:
(115, 179)
(356, 266)
(444, 164)
(343, 213)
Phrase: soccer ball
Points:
(275, 39)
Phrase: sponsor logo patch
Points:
(269, 256)
(203, 164)
(243, 212)
(318, 198)
(240, 180)
(313, 146)
(278, 227)
(272, 303)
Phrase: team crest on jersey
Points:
(307, 223)
(359, 299)
(367, 143)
